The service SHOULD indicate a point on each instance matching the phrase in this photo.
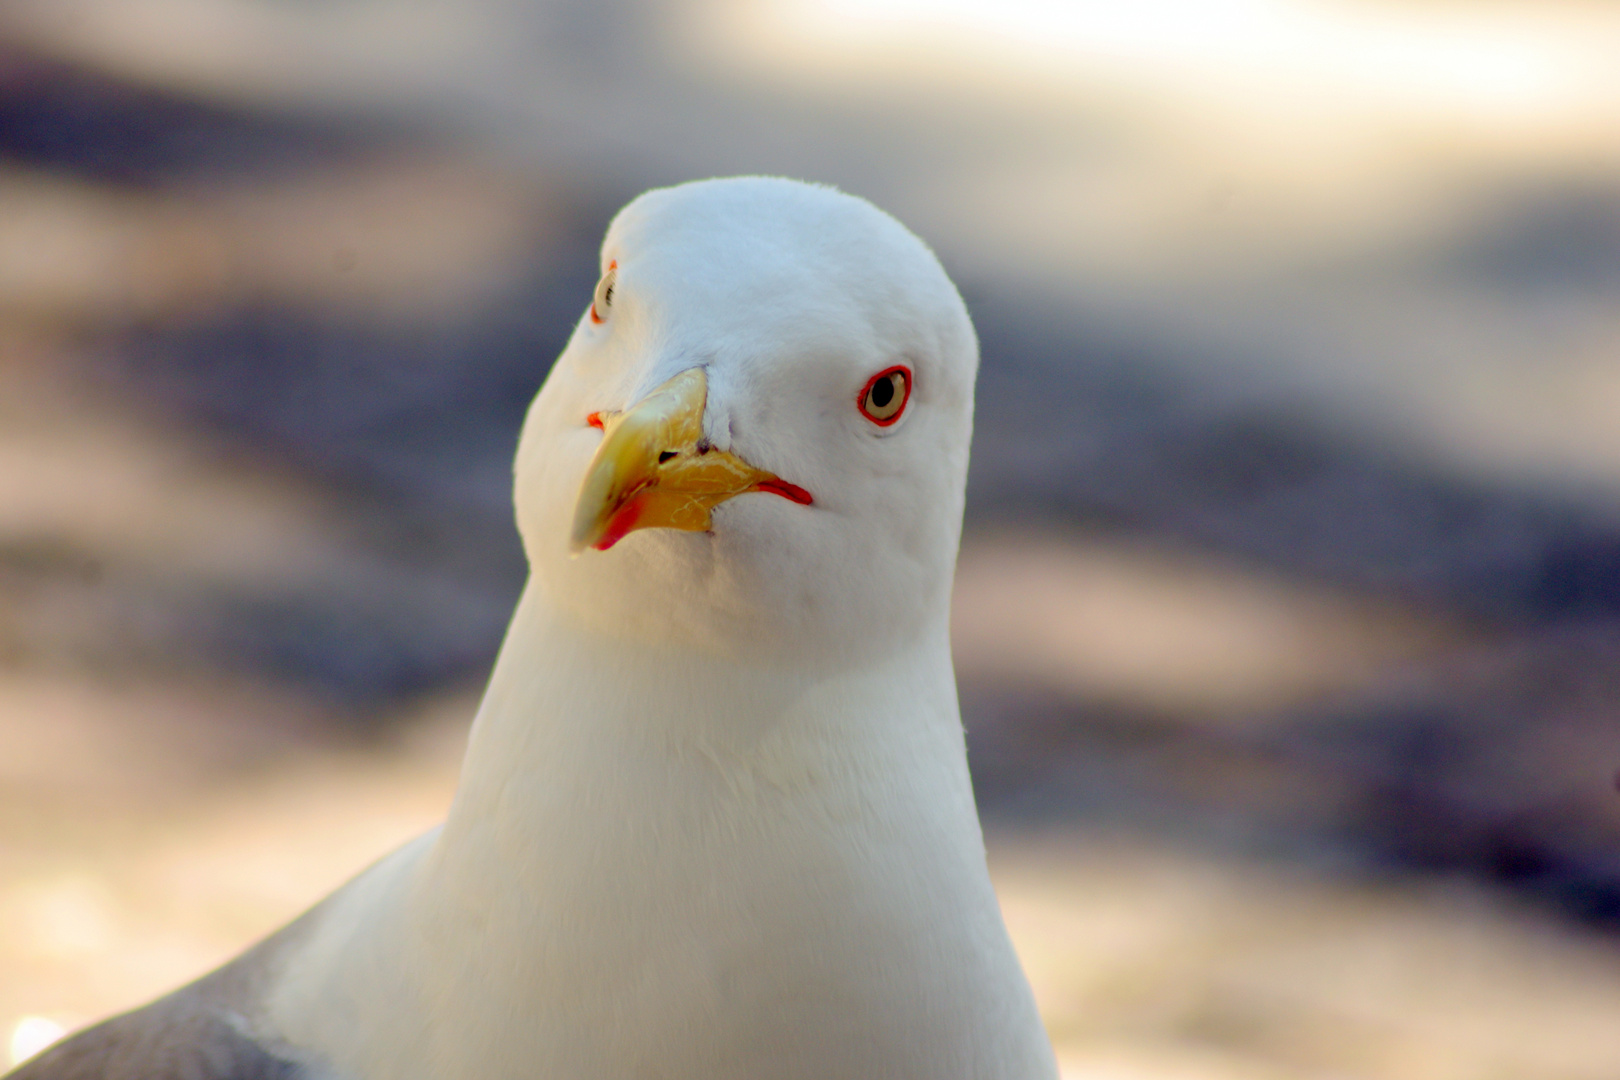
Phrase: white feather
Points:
(715, 819)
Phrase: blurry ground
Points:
(1288, 618)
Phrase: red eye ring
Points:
(907, 382)
(596, 316)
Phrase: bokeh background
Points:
(1288, 615)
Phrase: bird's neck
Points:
(685, 844)
(583, 740)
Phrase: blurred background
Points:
(1288, 613)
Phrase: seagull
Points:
(715, 818)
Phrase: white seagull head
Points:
(756, 441)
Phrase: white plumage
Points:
(715, 819)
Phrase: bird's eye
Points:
(602, 302)
(884, 397)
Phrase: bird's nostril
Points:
(665, 456)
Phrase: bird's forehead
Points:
(756, 234)
(762, 267)
(728, 257)
(720, 266)
(731, 293)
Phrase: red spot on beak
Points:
(595, 420)
(788, 491)
(620, 526)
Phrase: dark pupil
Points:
(883, 392)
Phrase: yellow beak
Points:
(654, 470)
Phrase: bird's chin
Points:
(664, 588)
(773, 582)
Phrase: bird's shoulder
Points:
(163, 1041)
(200, 1032)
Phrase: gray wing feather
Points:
(199, 1032)
(143, 1046)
